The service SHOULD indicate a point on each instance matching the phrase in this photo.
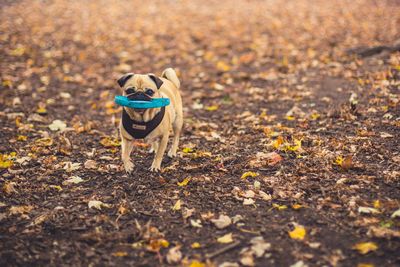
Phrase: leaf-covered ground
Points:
(290, 150)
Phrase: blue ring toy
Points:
(154, 103)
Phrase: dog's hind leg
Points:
(177, 127)
(156, 165)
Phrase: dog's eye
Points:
(130, 90)
(149, 92)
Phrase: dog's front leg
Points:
(126, 149)
(156, 165)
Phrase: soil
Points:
(257, 79)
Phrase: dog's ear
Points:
(122, 81)
(156, 80)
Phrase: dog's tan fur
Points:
(173, 118)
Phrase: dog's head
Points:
(140, 87)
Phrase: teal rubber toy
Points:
(154, 103)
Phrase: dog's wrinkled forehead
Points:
(140, 81)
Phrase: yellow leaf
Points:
(339, 160)
(377, 204)
(177, 205)
(290, 118)
(41, 110)
(57, 187)
(44, 141)
(298, 233)
(211, 108)
(184, 182)
(315, 116)
(225, 239)
(365, 247)
(22, 137)
(222, 66)
(279, 207)
(5, 161)
(110, 142)
(120, 254)
(296, 147)
(187, 150)
(248, 174)
(196, 263)
(19, 51)
(196, 245)
(365, 265)
(164, 243)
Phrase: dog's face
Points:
(140, 87)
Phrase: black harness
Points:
(140, 129)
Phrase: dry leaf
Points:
(298, 233)
(225, 239)
(174, 255)
(222, 222)
(248, 174)
(96, 204)
(57, 125)
(177, 205)
(365, 247)
(74, 180)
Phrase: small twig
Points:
(222, 250)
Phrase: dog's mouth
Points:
(139, 96)
(140, 110)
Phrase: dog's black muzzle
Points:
(139, 96)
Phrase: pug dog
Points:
(154, 125)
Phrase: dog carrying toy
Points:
(143, 104)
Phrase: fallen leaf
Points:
(297, 206)
(365, 247)
(222, 222)
(298, 233)
(70, 166)
(196, 263)
(248, 174)
(120, 254)
(8, 188)
(177, 205)
(229, 264)
(96, 204)
(264, 196)
(211, 108)
(195, 245)
(248, 201)
(225, 239)
(57, 125)
(20, 209)
(196, 223)
(368, 210)
(74, 180)
(259, 246)
(90, 164)
(174, 255)
(395, 214)
(299, 264)
(279, 207)
(184, 182)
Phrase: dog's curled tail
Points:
(170, 75)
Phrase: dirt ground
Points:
(290, 150)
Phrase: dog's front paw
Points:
(128, 165)
(171, 153)
(155, 167)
